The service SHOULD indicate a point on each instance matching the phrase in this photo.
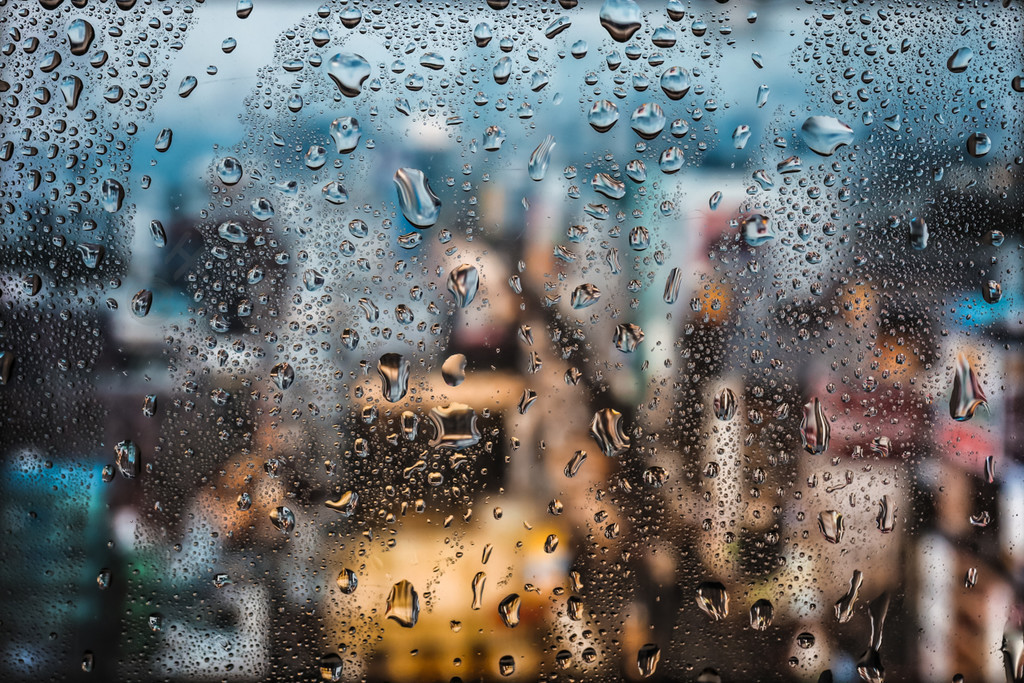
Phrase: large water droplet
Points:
(918, 233)
(603, 115)
(80, 36)
(347, 581)
(453, 370)
(675, 82)
(844, 606)
(229, 170)
(713, 600)
(283, 519)
(418, 203)
(141, 303)
(508, 610)
(761, 614)
(331, 668)
(648, 120)
(111, 195)
(885, 520)
(831, 525)
(628, 337)
(585, 295)
(647, 659)
(967, 393)
(348, 71)
(815, 429)
(403, 604)
(346, 133)
(463, 282)
(621, 18)
(71, 89)
(454, 427)
(959, 60)
(540, 158)
(127, 459)
(825, 134)
(607, 430)
(757, 230)
(393, 369)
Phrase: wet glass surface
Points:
(425, 341)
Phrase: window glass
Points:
(507, 340)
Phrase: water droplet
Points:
(585, 295)
(229, 170)
(393, 369)
(740, 136)
(675, 82)
(648, 120)
(886, 518)
(348, 71)
(540, 158)
(761, 615)
(647, 659)
(979, 144)
(918, 233)
(80, 36)
(825, 134)
(551, 543)
(672, 284)
(463, 282)
(607, 429)
(628, 337)
(283, 519)
(756, 230)
(603, 115)
(992, 291)
(347, 581)
(331, 668)
(233, 232)
(91, 254)
(403, 604)
(283, 375)
(815, 429)
(453, 370)
(156, 230)
(71, 89)
(967, 392)
(163, 140)
(805, 640)
(346, 503)
(713, 600)
(419, 204)
(454, 427)
(188, 84)
(346, 133)
(127, 459)
(507, 665)
(141, 303)
(725, 404)
(959, 60)
(621, 18)
(508, 610)
(831, 525)
(111, 195)
(575, 462)
(971, 577)
(608, 186)
(844, 606)
(493, 137)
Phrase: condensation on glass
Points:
(451, 341)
